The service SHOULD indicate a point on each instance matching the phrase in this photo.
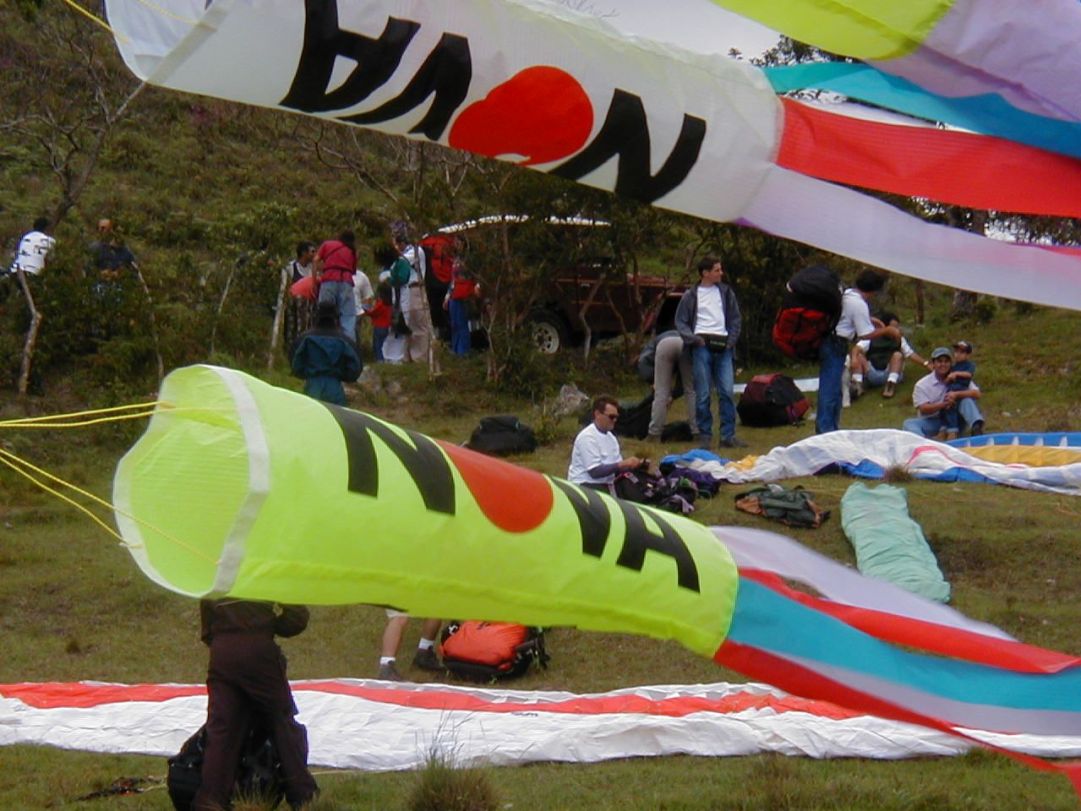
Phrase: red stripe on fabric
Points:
(978, 171)
(584, 705)
(930, 637)
(55, 695)
(795, 678)
(80, 695)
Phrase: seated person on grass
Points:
(881, 361)
(941, 411)
(596, 457)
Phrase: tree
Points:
(59, 112)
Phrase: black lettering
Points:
(594, 521)
(625, 132)
(422, 459)
(324, 42)
(446, 72)
(638, 539)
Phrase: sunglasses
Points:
(611, 416)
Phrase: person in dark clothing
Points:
(246, 680)
(325, 356)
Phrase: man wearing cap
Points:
(939, 407)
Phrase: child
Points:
(959, 379)
(380, 313)
(325, 356)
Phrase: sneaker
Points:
(888, 390)
(977, 428)
(389, 672)
(732, 442)
(704, 441)
(427, 660)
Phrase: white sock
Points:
(386, 660)
(425, 644)
(893, 377)
(857, 378)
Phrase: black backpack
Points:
(771, 400)
(810, 310)
(502, 436)
(259, 773)
(486, 651)
(675, 494)
(634, 419)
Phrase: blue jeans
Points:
(340, 294)
(714, 370)
(379, 335)
(459, 326)
(967, 410)
(832, 357)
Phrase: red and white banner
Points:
(382, 726)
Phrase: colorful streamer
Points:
(949, 47)
(567, 93)
(391, 517)
(956, 167)
(988, 113)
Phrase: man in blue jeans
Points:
(855, 324)
(708, 321)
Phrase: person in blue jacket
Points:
(325, 356)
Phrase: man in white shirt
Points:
(855, 324)
(596, 457)
(708, 320)
(942, 411)
(414, 299)
(34, 248)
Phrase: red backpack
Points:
(771, 400)
(485, 651)
(809, 312)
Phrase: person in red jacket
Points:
(381, 313)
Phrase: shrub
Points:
(441, 786)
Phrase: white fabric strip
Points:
(370, 731)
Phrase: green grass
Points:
(73, 605)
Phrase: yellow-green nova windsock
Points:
(245, 489)
(241, 488)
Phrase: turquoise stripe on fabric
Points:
(987, 114)
(773, 623)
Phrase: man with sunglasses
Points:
(596, 458)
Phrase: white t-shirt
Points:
(929, 389)
(33, 248)
(709, 319)
(362, 289)
(593, 447)
(855, 321)
(416, 276)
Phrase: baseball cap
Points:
(965, 345)
(941, 352)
